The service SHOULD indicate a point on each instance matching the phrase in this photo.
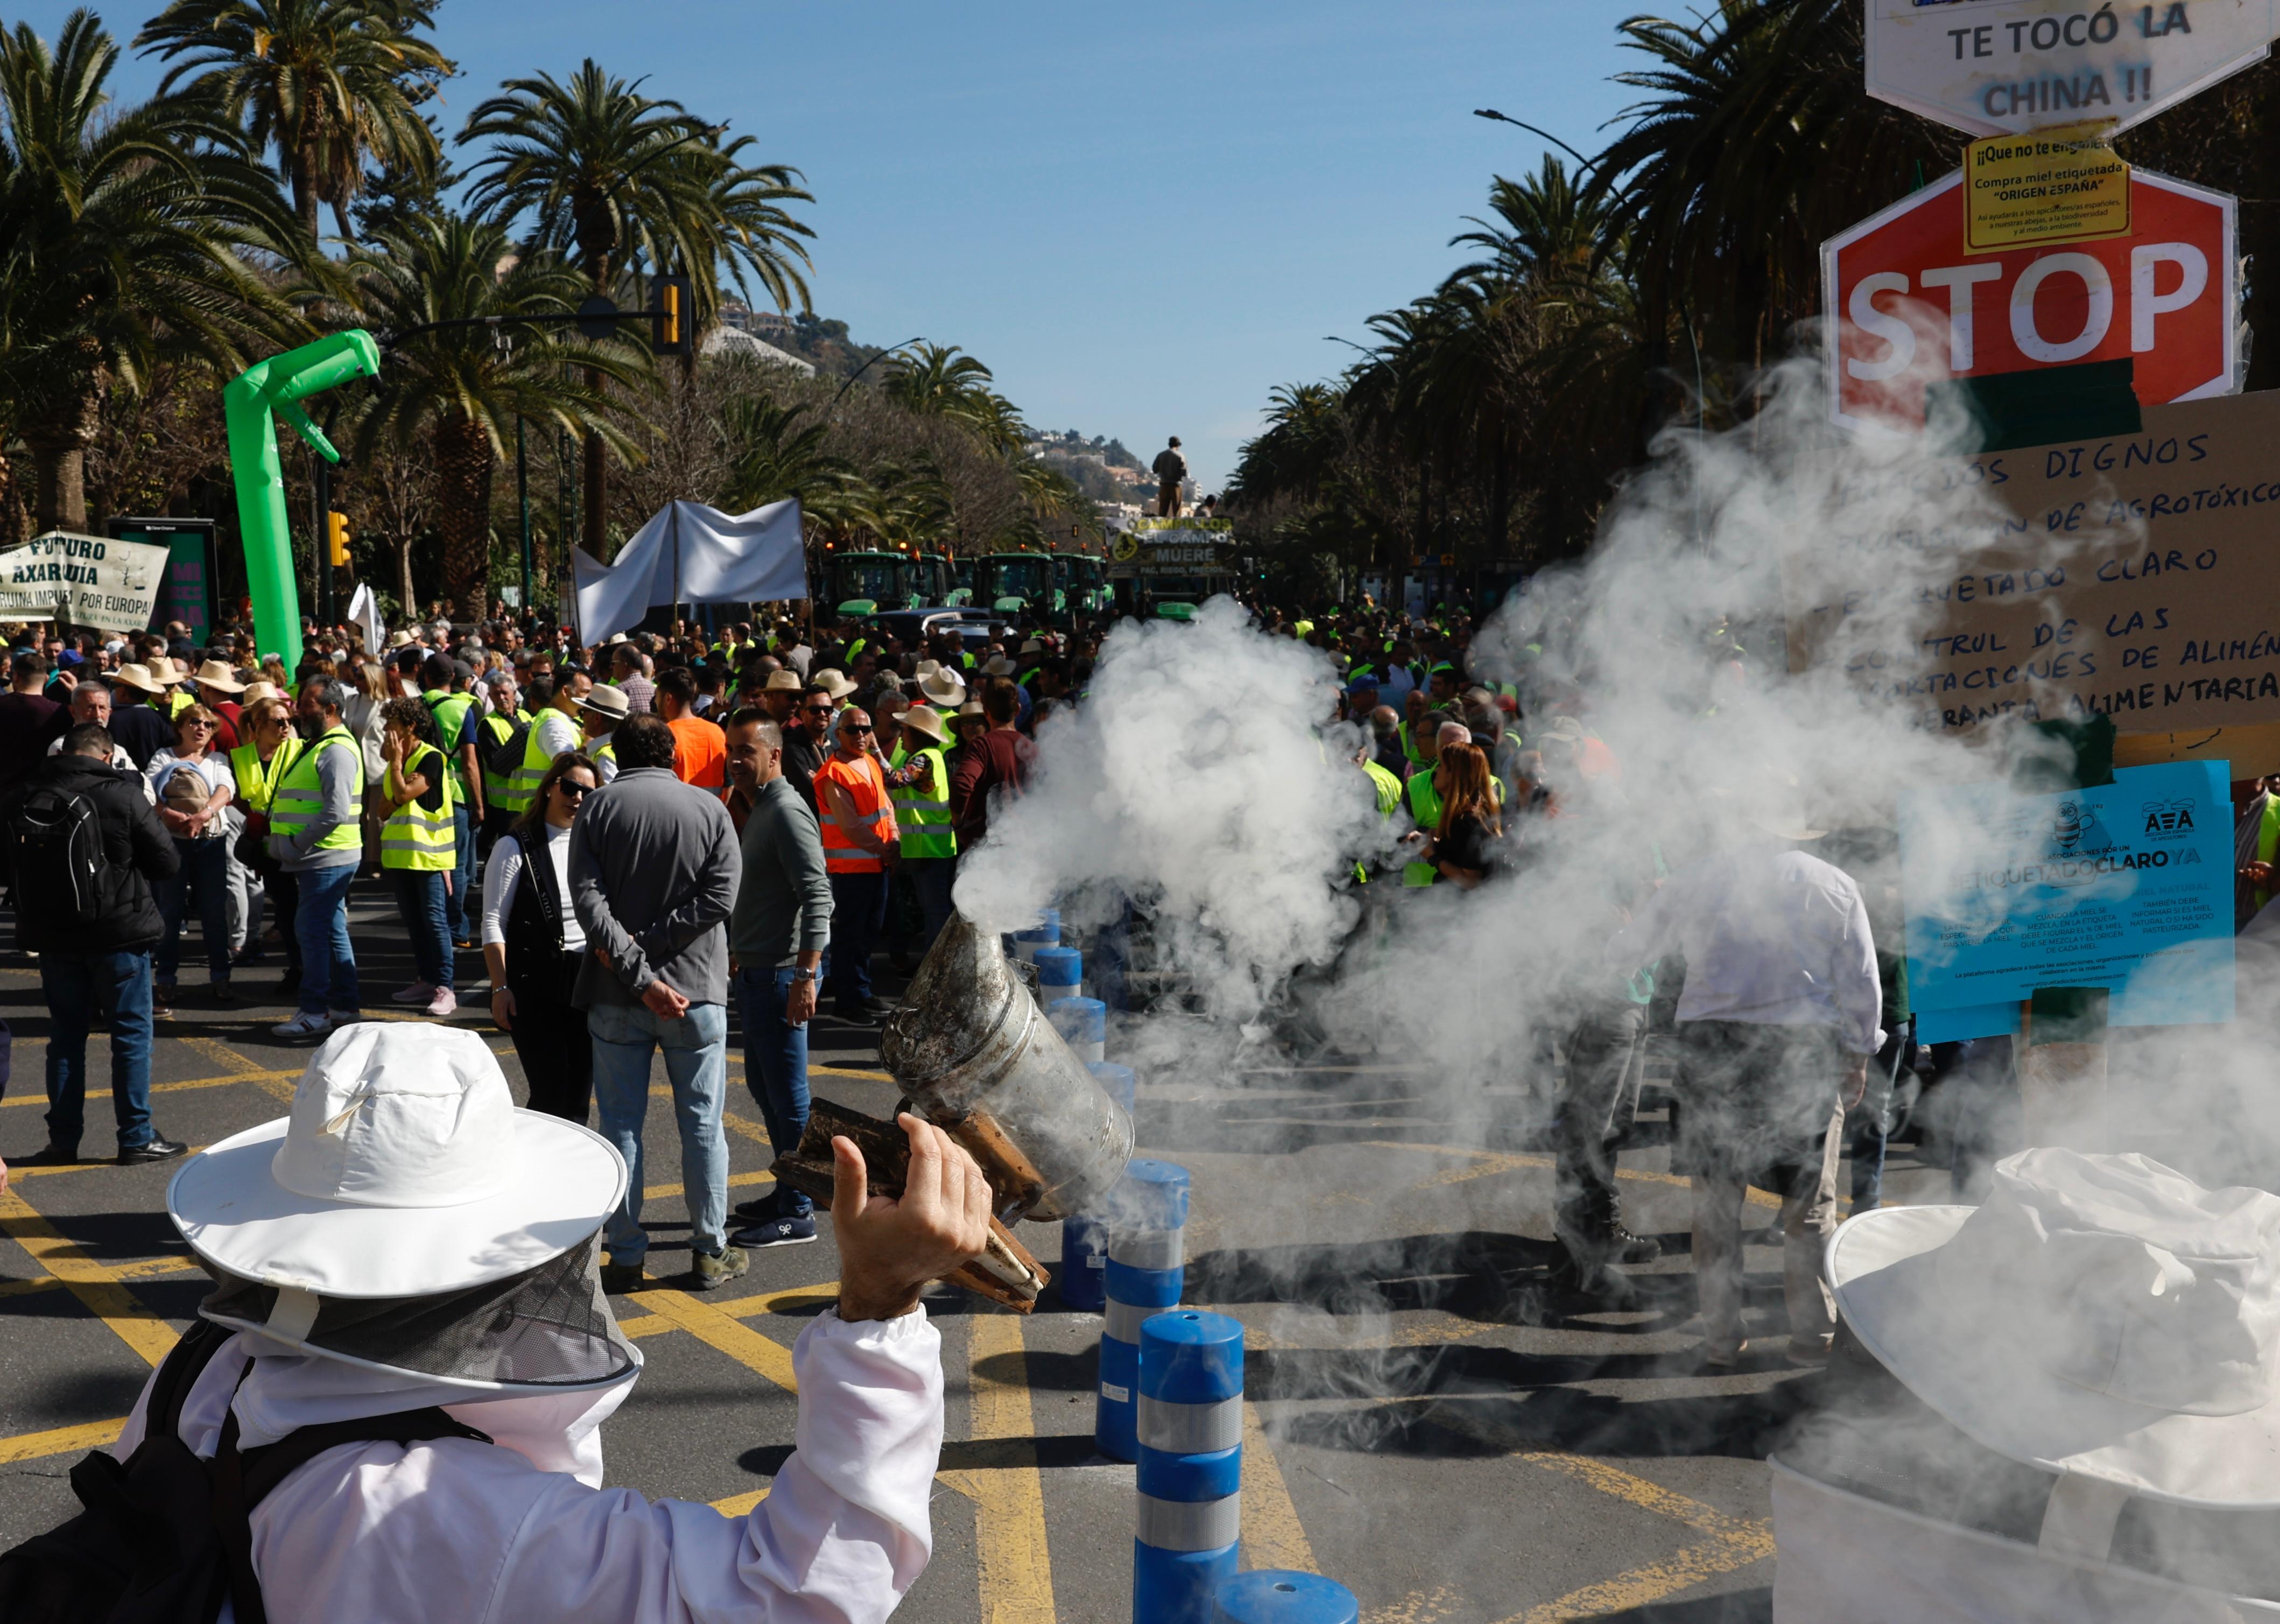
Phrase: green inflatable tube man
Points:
(277, 386)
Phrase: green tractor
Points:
(1014, 584)
(861, 584)
(1084, 583)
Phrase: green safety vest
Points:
(1389, 797)
(1425, 806)
(450, 713)
(522, 789)
(300, 794)
(496, 783)
(1408, 744)
(608, 754)
(923, 810)
(257, 783)
(413, 837)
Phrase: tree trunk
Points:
(11, 505)
(304, 187)
(58, 445)
(463, 503)
(409, 604)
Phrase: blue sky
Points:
(1142, 217)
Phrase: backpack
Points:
(506, 756)
(165, 1538)
(61, 872)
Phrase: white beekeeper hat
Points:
(407, 1216)
(2100, 1316)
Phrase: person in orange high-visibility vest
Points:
(859, 841)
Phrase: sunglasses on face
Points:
(572, 789)
(852, 731)
(822, 709)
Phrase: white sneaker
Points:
(303, 1025)
(445, 1002)
(418, 992)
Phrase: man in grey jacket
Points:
(776, 940)
(653, 872)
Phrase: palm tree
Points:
(333, 85)
(776, 453)
(943, 380)
(458, 390)
(119, 247)
(596, 168)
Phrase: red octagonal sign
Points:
(1906, 306)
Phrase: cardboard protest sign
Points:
(90, 581)
(2136, 575)
(2128, 886)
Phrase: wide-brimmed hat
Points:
(835, 683)
(404, 1169)
(2101, 1316)
(927, 720)
(607, 699)
(972, 707)
(925, 668)
(137, 675)
(783, 681)
(214, 674)
(998, 666)
(257, 691)
(941, 687)
(399, 640)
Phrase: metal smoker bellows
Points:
(978, 1058)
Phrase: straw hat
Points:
(257, 691)
(999, 666)
(2100, 1316)
(925, 668)
(940, 687)
(399, 640)
(926, 721)
(214, 674)
(404, 1170)
(835, 683)
(139, 676)
(784, 681)
(607, 699)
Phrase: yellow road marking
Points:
(1648, 1497)
(93, 1283)
(1503, 1162)
(658, 1192)
(167, 1088)
(1753, 1542)
(149, 1268)
(61, 1441)
(716, 1329)
(740, 1505)
(1009, 1501)
(1272, 1534)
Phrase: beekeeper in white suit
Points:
(407, 1238)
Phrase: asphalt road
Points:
(1432, 1419)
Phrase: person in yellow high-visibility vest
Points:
(920, 787)
(316, 835)
(418, 849)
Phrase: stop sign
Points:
(1906, 306)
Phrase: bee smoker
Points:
(977, 1058)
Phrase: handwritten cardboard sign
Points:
(2136, 575)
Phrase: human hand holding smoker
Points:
(890, 1246)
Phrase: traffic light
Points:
(337, 539)
(671, 320)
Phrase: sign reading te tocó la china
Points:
(2001, 66)
(1907, 305)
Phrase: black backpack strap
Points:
(178, 1374)
(242, 1479)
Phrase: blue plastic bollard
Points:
(1274, 1595)
(1060, 974)
(1146, 1214)
(1190, 1522)
(1083, 1280)
(1045, 933)
(1083, 1025)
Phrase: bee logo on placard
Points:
(2172, 819)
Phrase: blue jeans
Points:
(205, 870)
(78, 984)
(775, 1068)
(329, 966)
(858, 913)
(420, 899)
(696, 1064)
(463, 880)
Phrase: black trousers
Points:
(1601, 1052)
(550, 1039)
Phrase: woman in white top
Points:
(192, 784)
(532, 942)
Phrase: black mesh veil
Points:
(549, 1326)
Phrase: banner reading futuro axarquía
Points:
(89, 581)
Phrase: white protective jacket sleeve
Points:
(453, 1530)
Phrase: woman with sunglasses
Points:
(532, 942)
(193, 783)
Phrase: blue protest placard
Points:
(2128, 887)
